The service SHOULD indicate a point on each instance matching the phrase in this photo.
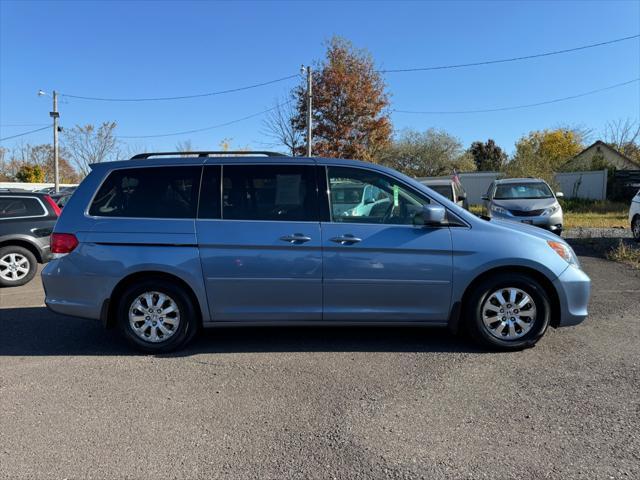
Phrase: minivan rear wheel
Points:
(157, 316)
(508, 312)
(17, 266)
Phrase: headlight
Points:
(551, 210)
(497, 209)
(565, 251)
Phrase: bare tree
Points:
(620, 133)
(279, 126)
(184, 146)
(88, 144)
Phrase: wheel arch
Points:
(541, 278)
(109, 308)
(21, 242)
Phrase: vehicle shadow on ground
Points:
(39, 332)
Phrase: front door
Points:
(259, 239)
(378, 265)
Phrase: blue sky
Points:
(149, 49)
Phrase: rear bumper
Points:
(574, 290)
(68, 292)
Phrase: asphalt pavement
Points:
(284, 403)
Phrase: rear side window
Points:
(16, 207)
(153, 192)
(269, 192)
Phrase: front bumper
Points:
(553, 223)
(574, 289)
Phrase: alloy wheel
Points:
(14, 267)
(509, 313)
(154, 317)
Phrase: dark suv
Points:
(26, 221)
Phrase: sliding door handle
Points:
(295, 238)
(347, 239)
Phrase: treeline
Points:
(352, 119)
(80, 147)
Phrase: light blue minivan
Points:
(162, 245)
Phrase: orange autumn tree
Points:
(350, 105)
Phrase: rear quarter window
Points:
(149, 192)
(16, 207)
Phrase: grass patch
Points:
(587, 213)
(625, 253)
(476, 209)
(594, 213)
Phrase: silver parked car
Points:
(161, 245)
(450, 189)
(525, 200)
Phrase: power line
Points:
(185, 132)
(182, 97)
(516, 107)
(513, 59)
(25, 133)
(22, 124)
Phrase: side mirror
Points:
(485, 198)
(462, 197)
(559, 195)
(431, 215)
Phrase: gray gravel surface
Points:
(322, 402)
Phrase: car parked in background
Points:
(449, 189)
(26, 221)
(634, 216)
(61, 198)
(525, 200)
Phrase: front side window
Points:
(269, 192)
(510, 191)
(152, 192)
(364, 196)
(15, 207)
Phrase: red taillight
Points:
(63, 242)
(53, 205)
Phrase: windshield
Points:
(511, 191)
(444, 190)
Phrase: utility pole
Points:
(55, 115)
(309, 110)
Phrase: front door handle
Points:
(296, 238)
(347, 239)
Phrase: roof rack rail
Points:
(142, 156)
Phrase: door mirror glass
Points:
(431, 214)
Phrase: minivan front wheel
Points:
(508, 312)
(157, 316)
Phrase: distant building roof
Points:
(612, 156)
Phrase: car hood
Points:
(528, 229)
(525, 204)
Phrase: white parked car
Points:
(634, 216)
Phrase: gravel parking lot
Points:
(322, 402)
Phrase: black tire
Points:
(635, 228)
(186, 329)
(481, 334)
(27, 256)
